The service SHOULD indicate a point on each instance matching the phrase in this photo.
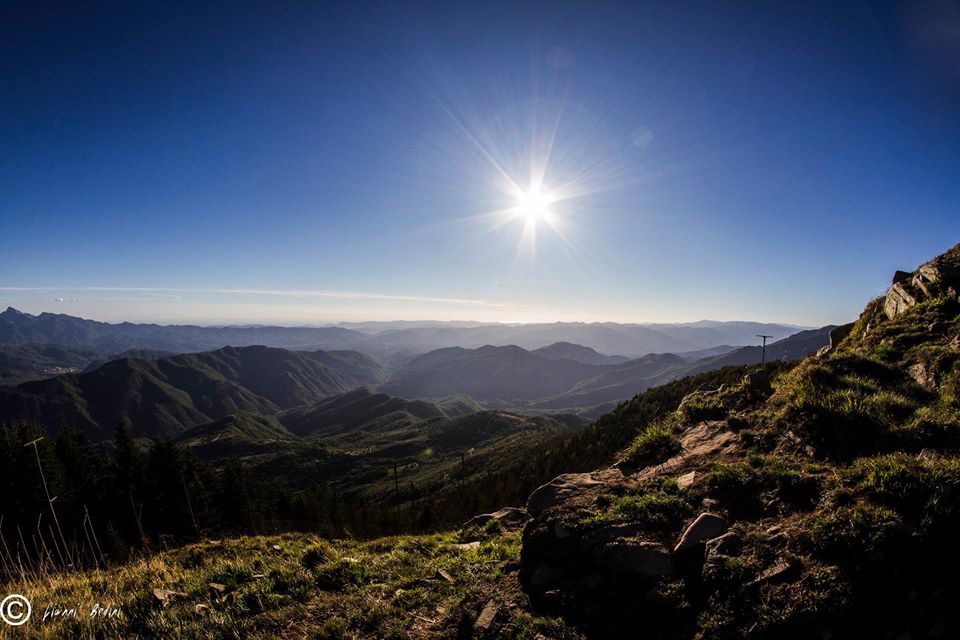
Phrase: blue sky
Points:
(308, 162)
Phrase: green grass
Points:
(659, 507)
(654, 444)
(299, 586)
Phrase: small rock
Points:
(443, 575)
(779, 572)
(924, 374)
(277, 547)
(686, 480)
(706, 526)
(467, 546)
(165, 596)
(485, 619)
(727, 544)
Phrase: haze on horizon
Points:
(234, 163)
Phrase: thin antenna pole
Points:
(763, 352)
(193, 518)
(50, 500)
(94, 533)
(136, 517)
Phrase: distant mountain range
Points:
(604, 391)
(165, 395)
(380, 339)
(517, 378)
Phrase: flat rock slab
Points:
(706, 526)
(710, 439)
(485, 619)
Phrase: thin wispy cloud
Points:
(284, 293)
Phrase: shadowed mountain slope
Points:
(166, 396)
(487, 373)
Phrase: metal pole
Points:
(763, 352)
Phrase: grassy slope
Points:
(848, 475)
(300, 586)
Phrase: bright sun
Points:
(533, 204)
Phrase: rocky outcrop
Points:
(900, 297)
(938, 277)
(574, 564)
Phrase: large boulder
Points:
(567, 485)
(638, 557)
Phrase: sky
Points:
(306, 163)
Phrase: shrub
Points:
(705, 407)
(654, 445)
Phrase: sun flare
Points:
(533, 204)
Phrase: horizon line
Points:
(479, 323)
